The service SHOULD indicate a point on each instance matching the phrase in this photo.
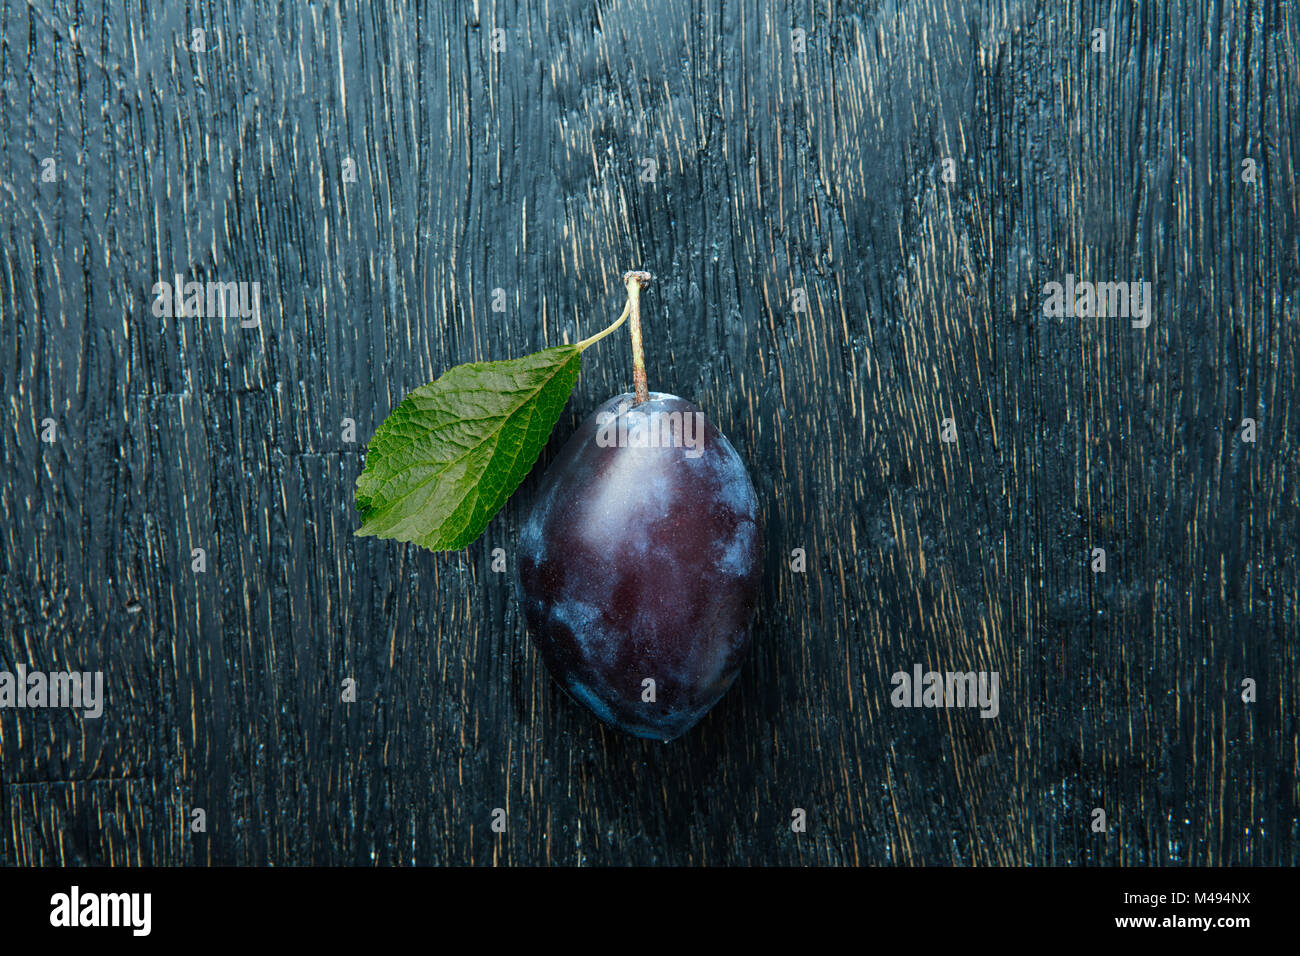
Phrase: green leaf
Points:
(447, 458)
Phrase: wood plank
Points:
(780, 177)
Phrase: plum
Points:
(640, 562)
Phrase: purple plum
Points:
(639, 565)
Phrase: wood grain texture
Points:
(521, 169)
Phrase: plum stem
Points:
(635, 281)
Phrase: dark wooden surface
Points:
(777, 170)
